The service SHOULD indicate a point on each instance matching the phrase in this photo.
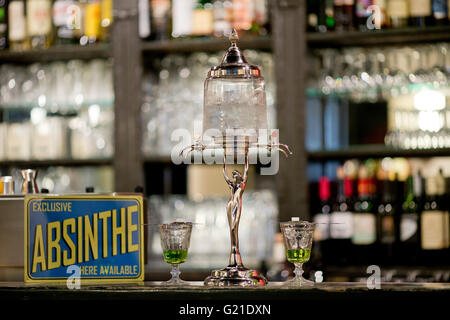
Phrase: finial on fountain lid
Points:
(234, 37)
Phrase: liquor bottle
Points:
(17, 26)
(440, 11)
(64, 32)
(3, 24)
(420, 12)
(312, 19)
(39, 23)
(144, 18)
(77, 20)
(380, 15)
(261, 23)
(362, 13)
(341, 223)
(322, 218)
(182, 15)
(222, 18)
(343, 13)
(398, 13)
(433, 224)
(330, 22)
(92, 22)
(364, 219)
(203, 19)
(160, 19)
(387, 222)
(410, 219)
(106, 20)
(242, 15)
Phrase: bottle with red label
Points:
(39, 23)
(322, 219)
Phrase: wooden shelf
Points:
(203, 44)
(379, 37)
(56, 162)
(375, 151)
(56, 53)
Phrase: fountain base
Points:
(235, 276)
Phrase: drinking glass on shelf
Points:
(175, 238)
(298, 237)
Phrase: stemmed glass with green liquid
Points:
(298, 236)
(175, 238)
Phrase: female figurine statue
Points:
(234, 208)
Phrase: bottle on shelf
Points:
(341, 221)
(312, 15)
(434, 225)
(410, 219)
(77, 19)
(387, 221)
(243, 13)
(322, 219)
(3, 24)
(440, 11)
(344, 14)
(144, 18)
(203, 18)
(92, 22)
(362, 13)
(328, 15)
(18, 39)
(420, 13)
(364, 219)
(39, 23)
(160, 19)
(182, 15)
(106, 20)
(61, 13)
(398, 13)
(380, 20)
(261, 21)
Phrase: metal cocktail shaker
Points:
(29, 181)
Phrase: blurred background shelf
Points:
(378, 37)
(57, 53)
(204, 44)
(375, 151)
(56, 162)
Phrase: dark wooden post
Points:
(126, 52)
(289, 43)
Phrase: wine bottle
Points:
(341, 223)
(349, 11)
(398, 13)
(17, 26)
(433, 224)
(440, 11)
(410, 219)
(420, 12)
(322, 218)
(386, 222)
(39, 23)
(61, 13)
(364, 219)
(3, 24)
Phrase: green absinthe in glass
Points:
(175, 256)
(298, 255)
